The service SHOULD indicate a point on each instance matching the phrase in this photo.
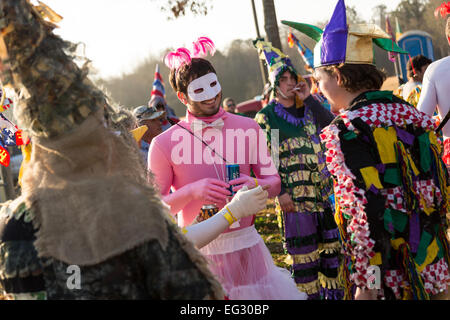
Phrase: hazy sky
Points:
(121, 33)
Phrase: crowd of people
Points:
(149, 206)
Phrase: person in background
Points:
(158, 101)
(305, 208)
(229, 105)
(436, 89)
(239, 256)
(151, 118)
(410, 91)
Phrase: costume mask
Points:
(204, 88)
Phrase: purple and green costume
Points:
(310, 234)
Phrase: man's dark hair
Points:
(180, 79)
(418, 62)
(356, 77)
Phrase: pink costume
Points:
(436, 94)
(238, 257)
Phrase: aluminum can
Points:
(233, 172)
(208, 211)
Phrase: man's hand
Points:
(286, 203)
(302, 90)
(243, 180)
(210, 191)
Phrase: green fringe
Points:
(417, 288)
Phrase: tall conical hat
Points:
(277, 61)
(340, 42)
(158, 91)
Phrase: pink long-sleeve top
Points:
(176, 158)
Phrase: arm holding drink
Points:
(246, 202)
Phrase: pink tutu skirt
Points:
(243, 265)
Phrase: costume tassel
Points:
(444, 241)
(441, 179)
(417, 288)
(344, 279)
(411, 196)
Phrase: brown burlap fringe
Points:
(90, 196)
(85, 182)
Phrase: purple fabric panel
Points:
(302, 250)
(381, 167)
(405, 136)
(303, 266)
(306, 279)
(334, 38)
(314, 296)
(373, 189)
(329, 263)
(330, 234)
(298, 224)
(269, 55)
(414, 231)
(331, 294)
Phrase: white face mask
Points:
(204, 88)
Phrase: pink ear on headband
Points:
(443, 9)
(175, 59)
(202, 46)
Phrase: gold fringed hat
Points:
(340, 42)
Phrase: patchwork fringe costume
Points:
(392, 194)
(310, 234)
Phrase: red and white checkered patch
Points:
(394, 198)
(381, 115)
(428, 191)
(395, 280)
(436, 277)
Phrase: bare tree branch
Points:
(178, 8)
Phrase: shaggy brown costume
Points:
(86, 184)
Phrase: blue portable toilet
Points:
(415, 42)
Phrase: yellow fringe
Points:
(329, 247)
(305, 258)
(329, 283)
(407, 294)
(310, 287)
(344, 282)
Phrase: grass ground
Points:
(267, 226)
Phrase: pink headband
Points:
(201, 47)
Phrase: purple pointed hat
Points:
(333, 48)
(340, 42)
